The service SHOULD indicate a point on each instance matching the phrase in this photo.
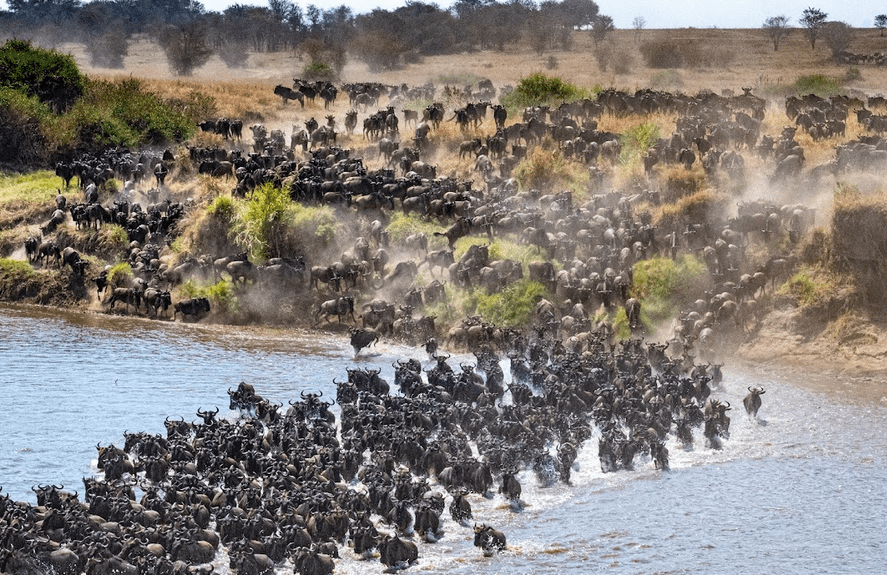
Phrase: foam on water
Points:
(798, 488)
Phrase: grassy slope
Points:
(247, 92)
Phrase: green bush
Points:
(221, 294)
(636, 142)
(52, 77)
(122, 113)
(24, 122)
(119, 275)
(666, 286)
(260, 219)
(539, 90)
(513, 306)
(818, 84)
(317, 70)
(222, 207)
(402, 225)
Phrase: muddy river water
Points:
(801, 489)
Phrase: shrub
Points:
(545, 170)
(113, 239)
(319, 71)
(119, 275)
(23, 125)
(121, 113)
(673, 53)
(260, 219)
(185, 47)
(402, 225)
(819, 84)
(222, 207)
(539, 89)
(109, 49)
(513, 306)
(221, 295)
(636, 142)
(665, 286)
(52, 77)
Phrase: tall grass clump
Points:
(546, 170)
(120, 275)
(403, 225)
(513, 306)
(636, 142)
(221, 295)
(539, 90)
(260, 220)
(666, 286)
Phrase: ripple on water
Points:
(786, 488)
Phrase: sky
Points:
(656, 13)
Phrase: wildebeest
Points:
(752, 401)
(461, 228)
(195, 306)
(338, 307)
(488, 539)
(129, 296)
(289, 94)
(156, 299)
(394, 551)
(361, 338)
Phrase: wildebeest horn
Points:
(302, 393)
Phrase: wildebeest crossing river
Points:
(801, 489)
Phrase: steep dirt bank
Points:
(853, 345)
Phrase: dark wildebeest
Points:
(752, 401)
(361, 338)
(460, 229)
(195, 306)
(289, 94)
(488, 539)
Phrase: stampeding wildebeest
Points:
(752, 401)
(338, 307)
(361, 338)
(394, 551)
(488, 539)
(460, 229)
(195, 306)
(289, 94)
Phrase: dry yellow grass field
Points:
(754, 63)
(248, 92)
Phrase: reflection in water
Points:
(787, 493)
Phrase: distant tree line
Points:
(382, 38)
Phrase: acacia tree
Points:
(838, 36)
(600, 27)
(776, 27)
(881, 22)
(186, 47)
(813, 20)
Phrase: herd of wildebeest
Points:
(300, 486)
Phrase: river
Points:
(801, 489)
